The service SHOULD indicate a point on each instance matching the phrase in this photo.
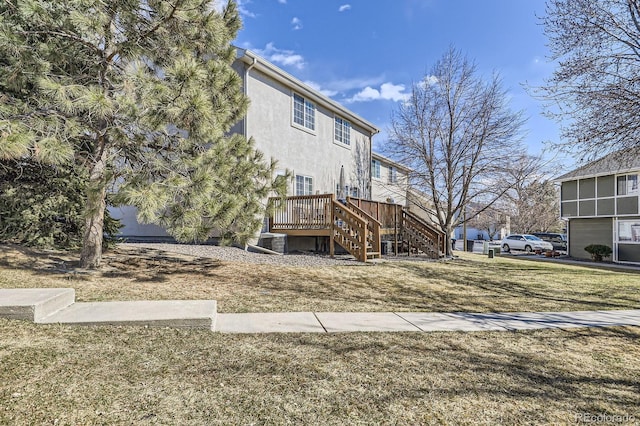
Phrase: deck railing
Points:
(350, 231)
(388, 214)
(301, 212)
(357, 226)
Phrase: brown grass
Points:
(472, 283)
(67, 375)
(108, 375)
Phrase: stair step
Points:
(159, 313)
(34, 304)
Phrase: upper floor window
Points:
(304, 112)
(375, 168)
(393, 174)
(304, 185)
(628, 184)
(342, 131)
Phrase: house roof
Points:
(383, 159)
(256, 61)
(623, 161)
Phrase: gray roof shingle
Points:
(616, 162)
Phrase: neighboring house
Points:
(389, 180)
(600, 201)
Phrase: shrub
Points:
(598, 251)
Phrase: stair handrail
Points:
(373, 226)
(436, 235)
(356, 235)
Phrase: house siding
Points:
(306, 152)
(383, 190)
(313, 153)
(583, 232)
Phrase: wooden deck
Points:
(359, 225)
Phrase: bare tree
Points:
(596, 85)
(533, 200)
(536, 207)
(490, 219)
(458, 135)
(361, 172)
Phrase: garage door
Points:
(583, 232)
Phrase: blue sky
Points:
(366, 54)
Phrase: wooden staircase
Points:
(355, 231)
(418, 234)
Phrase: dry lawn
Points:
(471, 283)
(66, 375)
(108, 375)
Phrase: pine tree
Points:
(42, 205)
(142, 94)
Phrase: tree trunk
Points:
(91, 254)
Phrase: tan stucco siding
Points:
(312, 153)
(383, 190)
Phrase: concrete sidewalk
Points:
(333, 322)
(57, 306)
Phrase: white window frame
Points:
(375, 169)
(303, 185)
(393, 174)
(630, 186)
(303, 113)
(342, 131)
(631, 235)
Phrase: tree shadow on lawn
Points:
(503, 285)
(140, 265)
(533, 369)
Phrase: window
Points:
(375, 168)
(355, 192)
(304, 185)
(304, 112)
(629, 231)
(627, 185)
(342, 131)
(393, 174)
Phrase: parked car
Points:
(524, 242)
(559, 241)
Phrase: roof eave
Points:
(251, 58)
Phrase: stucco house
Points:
(328, 151)
(311, 135)
(326, 147)
(600, 202)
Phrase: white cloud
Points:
(297, 23)
(428, 80)
(219, 6)
(387, 91)
(282, 1)
(280, 56)
(317, 87)
(347, 85)
(344, 7)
